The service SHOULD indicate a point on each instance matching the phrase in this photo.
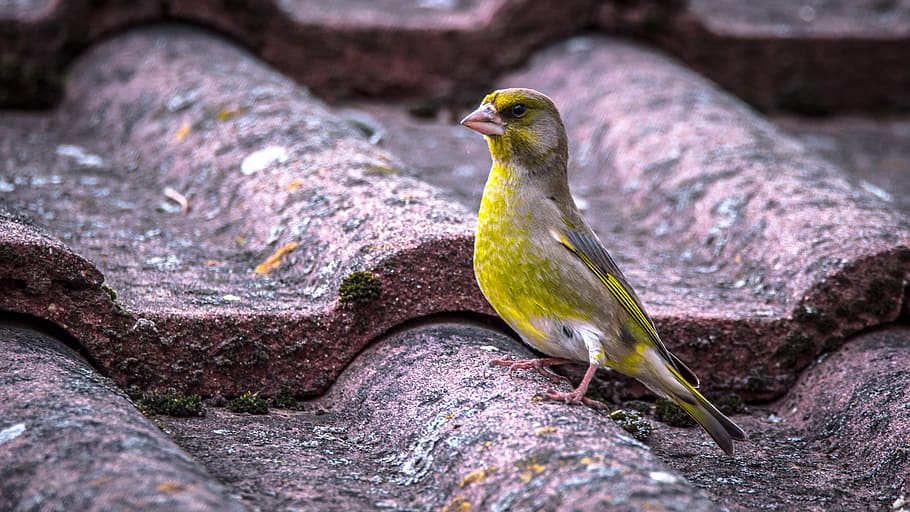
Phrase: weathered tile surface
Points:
(193, 219)
(807, 57)
(170, 113)
(420, 422)
(70, 440)
(838, 441)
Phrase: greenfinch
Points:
(550, 278)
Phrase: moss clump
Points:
(110, 292)
(285, 398)
(633, 422)
(730, 404)
(668, 412)
(171, 404)
(118, 308)
(360, 286)
(249, 402)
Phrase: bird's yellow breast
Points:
(511, 266)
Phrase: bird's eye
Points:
(518, 109)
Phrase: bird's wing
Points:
(589, 249)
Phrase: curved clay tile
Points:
(190, 164)
(195, 221)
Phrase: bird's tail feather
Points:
(670, 383)
(718, 426)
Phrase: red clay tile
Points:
(419, 421)
(338, 49)
(175, 109)
(69, 440)
(844, 56)
(876, 152)
(838, 441)
(39, 39)
(743, 278)
(392, 48)
(811, 58)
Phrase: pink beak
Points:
(485, 120)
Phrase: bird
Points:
(547, 274)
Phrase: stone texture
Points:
(341, 49)
(69, 440)
(748, 270)
(419, 421)
(156, 208)
(842, 55)
(831, 19)
(391, 48)
(189, 312)
(40, 38)
(874, 151)
(838, 441)
(431, 421)
(782, 55)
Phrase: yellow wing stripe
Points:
(618, 291)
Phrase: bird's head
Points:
(522, 126)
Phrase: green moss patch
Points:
(249, 402)
(170, 404)
(359, 287)
(730, 404)
(666, 411)
(633, 422)
(285, 399)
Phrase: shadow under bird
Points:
(550, 278)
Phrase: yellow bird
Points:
(550, 278)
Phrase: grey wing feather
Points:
(589, 247)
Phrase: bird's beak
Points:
(485, 120)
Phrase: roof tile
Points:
(70, 439)
(201, 223)
(190, 276)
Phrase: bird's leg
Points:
(577, 396)
(537, 364)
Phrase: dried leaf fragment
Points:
(476, 476)
(542, 431)
(275, 259)
(182, 132)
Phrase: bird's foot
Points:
(537, 364)
(576, 396)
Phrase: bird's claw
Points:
(576, 396)
(573, 398)
(537, 364)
